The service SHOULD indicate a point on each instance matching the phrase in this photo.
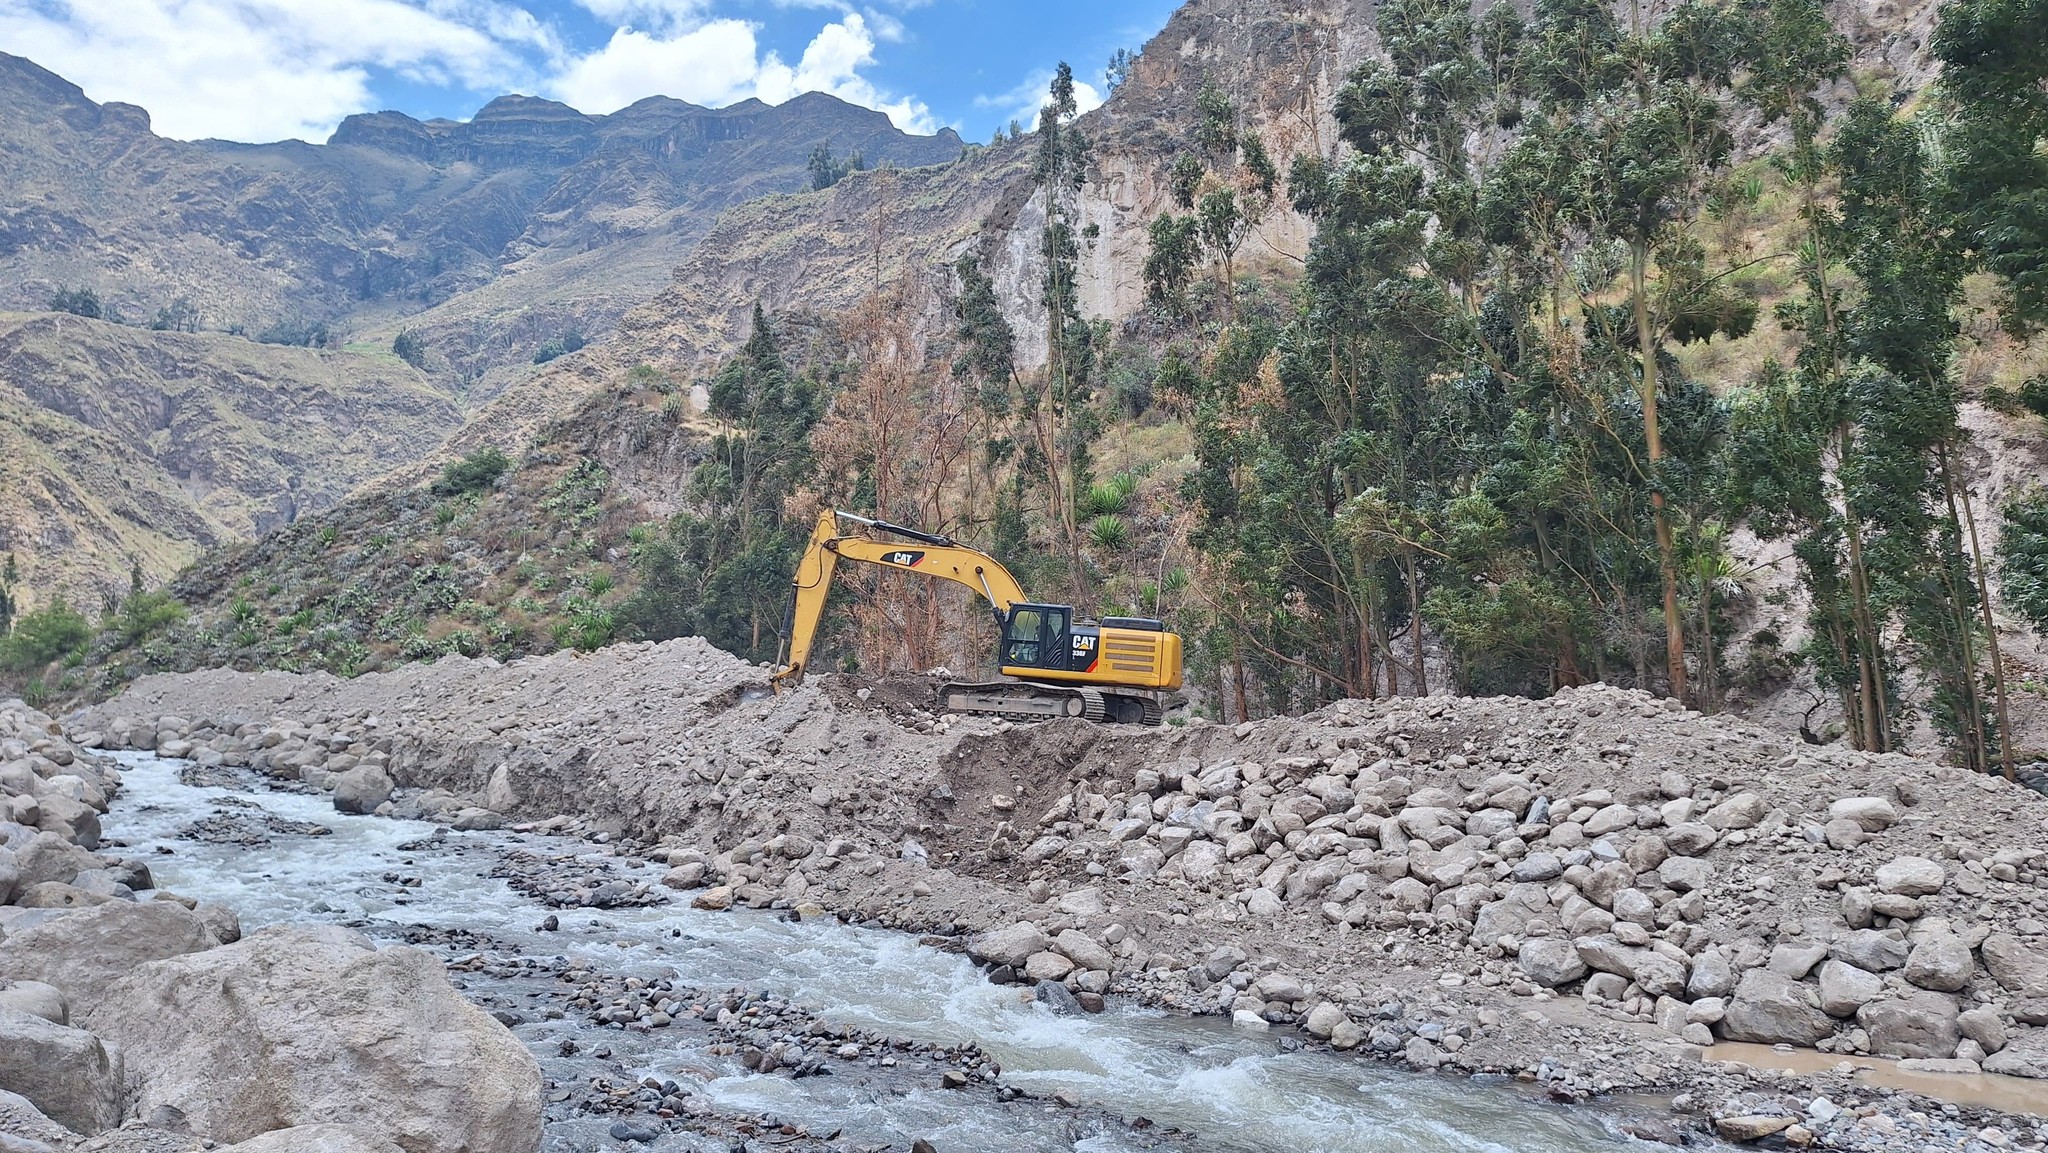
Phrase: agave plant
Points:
(1109, 533)
(1111, 497)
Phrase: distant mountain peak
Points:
(514, 106)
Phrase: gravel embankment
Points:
(1583, 891)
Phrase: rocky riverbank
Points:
(135, 1019)
(1582, 892)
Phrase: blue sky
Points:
(261, 70)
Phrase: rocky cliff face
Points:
(1280, 60)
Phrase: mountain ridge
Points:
(490, 238)
(392, 214)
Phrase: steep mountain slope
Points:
(121, 446)
(819, 252)
(392, 215)
(488, 239)
(1281, 60)
(816, 254)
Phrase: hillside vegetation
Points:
(1689, 350)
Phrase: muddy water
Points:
(1983, 1090)
(1228, 1090)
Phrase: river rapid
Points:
(1084, 1079)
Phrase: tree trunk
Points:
(1415, 623)
(1667, 548)
(1991, 634)
(1979, 756)
(1869, 656)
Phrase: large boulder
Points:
(32, 1131)
(1741, 811)
(2027, 1059)
(1844, 988)
(73, 820)
(36, 999)
(321, 1027)
(1658, 974)
(85, 951)
(316, 1139)
(1084, 950)
(1871, 950)
(1919, 1025)
(1551, 961)
(1911, 877)
(1872, 814)
(1940, 961)
(1011, 945)
(1773, 1009)
(49, 857)
(66, 1073)
(362, 789)
(1511, 915)
(1712, 976)
(2019, 968)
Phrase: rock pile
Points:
(1865, 905)
(1583, 890)
(121, 1005)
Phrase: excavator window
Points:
(1036, 637)
(1027, 630)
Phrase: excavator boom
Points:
(1108, 671)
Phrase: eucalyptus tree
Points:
(1060, 169)
(1994, 87)
(1636, 113)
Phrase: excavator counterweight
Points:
(1054, 665)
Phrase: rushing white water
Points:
(1235, 1091)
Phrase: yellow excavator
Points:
(1113, 670)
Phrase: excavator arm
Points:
(926, 554)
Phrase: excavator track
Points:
(1030, 701)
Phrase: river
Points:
(1226, 1090)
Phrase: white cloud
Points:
(1022, 103)
(710, 64)
(658, 15)
(274, 69)
(720, 61)
(263, 69)
(888, 29)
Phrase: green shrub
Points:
(48, 634)
(1109, 533)
(589, 625)
(297, 329)
(78, 302)
(2023, 558)
(562, 345)
(1111, 497)
(410, 347)
(2034, 395)
(473, 473)
(146, 614)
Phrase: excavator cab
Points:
(1037, 637)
